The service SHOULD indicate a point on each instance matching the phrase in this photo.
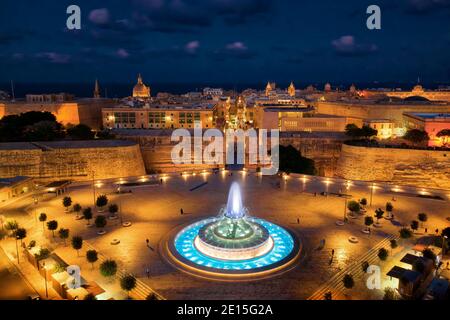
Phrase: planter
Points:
(126, 224)
(101, 232)
(115, 242)
(340, 223)
(353, 239)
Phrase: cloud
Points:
(122, 53)
(192, 46)
(347, 46)
(234, 50)
(238, 46)
(99, 16)
(54, 57)
(421, 7)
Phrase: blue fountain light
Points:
(282, 248)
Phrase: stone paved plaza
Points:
(155, 211)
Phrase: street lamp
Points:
(17, 250)
(371, 193)
(45, 276)
(443, 245)
(93, 186)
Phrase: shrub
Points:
(108, 268)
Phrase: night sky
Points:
(225, 41)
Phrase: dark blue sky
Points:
(225, 41)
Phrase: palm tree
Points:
(77, 244)
(113, 209)
(389, 208)
(52, 226)
(100, 221)
(348, 281)
(379, 214)
(87, 214)
(422, 217)
(92, 257)
(67, 202)
(354, 207)
(393, 243)
(64, 234)
(368, 221)
(128, 283)
(102, 201)
(43, 218)
(20, 234)
(77, 208)
(414, 225)
(108, 268)
(383, 254)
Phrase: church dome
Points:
(140, 90)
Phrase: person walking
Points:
(181, 211)
(147, 271)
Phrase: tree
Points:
(52, 226)
(422, 217)
(328, 296)
(100, 221)
(64, 234)
(365, 265)
(92, 257)
(113, 209)
(77, 208)
(352, 130)
(102, 201)
(414, 225)
(368, 221)
(67, 202)
(43, 218)
(77, 243)
(405, 233)
(348, 281)
(11, 225)
(108, 268)
(363, 202)
(444, 135)
(416, 136)
(393, 243)
(389, 207)
(128, 283)
(383, 254)
(20, 234)
(390, 294)
(379, 214)
(89, 297)
(368, 132)
(87, 214)
(429, 254)
(354, 207)
(80, 132)
(291, 161)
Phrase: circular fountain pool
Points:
(233, 244)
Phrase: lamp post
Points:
(45, 277)
(345, 209)
(443, 246)
(93, 186)
(371, 193)
(17, 250)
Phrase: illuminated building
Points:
(140, 90)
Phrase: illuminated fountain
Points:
(233, 243)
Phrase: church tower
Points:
(97, 90)
(140, 90)
(268, 89)
(291, 90)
